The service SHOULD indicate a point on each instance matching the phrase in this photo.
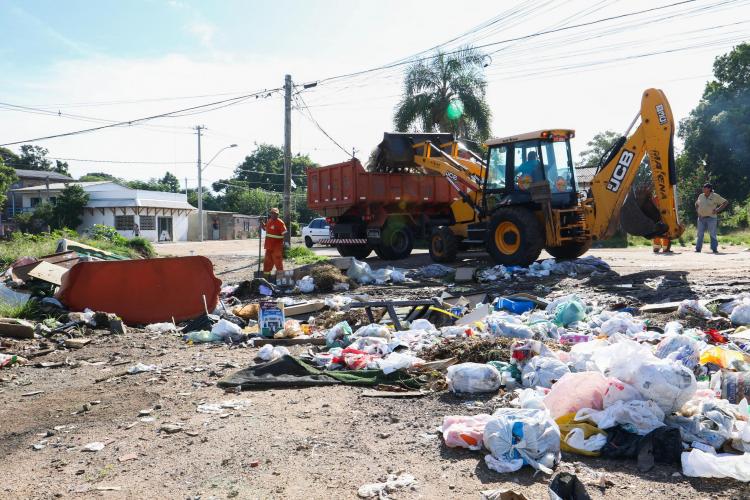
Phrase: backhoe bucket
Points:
(396, 153)
(143, 291)
(640, 216)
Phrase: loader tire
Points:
(443, 245)
(358, 252)
(514, 237)
(396, 242)
(569, 251)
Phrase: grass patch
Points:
(726, 237)
(23, 311)
(303, 255)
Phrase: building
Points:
(218, 225)
(160, 216)
(29, 178)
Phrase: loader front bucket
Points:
(640, 216)
(143, 291)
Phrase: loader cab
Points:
(515, 163)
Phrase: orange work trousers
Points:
(274, 257)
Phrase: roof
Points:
(42, 174)
(125, 203)
(59, 186)
(537, 134)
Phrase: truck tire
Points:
(443, 245)
(515, 237)
(569, 251)
(358, 252)
(396, 242)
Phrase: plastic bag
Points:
(422, 324)
(622, 322)
(269, 352)
(338, 302)
(338, 335)
(306, 284)
(518, 437)
(372, 330)
(360, 272)
(679, 348)
(693, 308)
(464, 432)
(580, 437)
(619, 391)
(543, 371)
(740, 315)
(581, 355)
(162, 328)
(398, 361)
(575, 391)
(226, 329)
(473, 378)
(570, 311)
(577, 440)
(698, 463)
(371, 345)
(530, 399)
(713, 425)
(639, 417)
(673, 328)
(505, 325)
(668, 383)
(721, 357)
(359, 360)
(291, 330)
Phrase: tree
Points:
(34, 158)
(7, 177)
(61, 167)
(98, 176)
(717, 131)
(170, 182)
(264, 168)
(9, 157)
(446, 93)
(69, 207)
(596, 148)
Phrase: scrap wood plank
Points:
(294, 341)
(394, 394)
(16, 328)
(304, 308)
(50, 273)
(669, 306)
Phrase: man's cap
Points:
(708, 185)
(274, 210)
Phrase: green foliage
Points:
(7, 177)
(303, 255)
(170, 182)
(69, 207)
(596, 148)
(27, 310)
(264, 168)
(431, 85)
(142, 246)
(717, 131)
(99, 176)
(106, 233)
(295, 228)
(9, 157)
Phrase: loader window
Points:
(557, 166)
(496, 172)
(528, 169)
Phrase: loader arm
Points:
(612, 183)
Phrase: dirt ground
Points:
(321, 442)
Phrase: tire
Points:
(515, 237)
(358, 252)
(571, 250)
(443, 245)
(396, 242)
(381, 254)
(308, 242)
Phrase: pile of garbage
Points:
(588, 265)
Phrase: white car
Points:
(315, 231)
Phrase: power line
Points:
(310, 117)
(222, 103)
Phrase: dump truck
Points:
(520, 199)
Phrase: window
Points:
(35, 201)
(148, 223)
(557, 166)
(528, 168)
(124, 222)
(246, 226)
(496, 172)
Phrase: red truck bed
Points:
(334, 189)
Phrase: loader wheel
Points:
(443, 245)
(358, 252)
(569, 251)
(515, 237)
(396, 242)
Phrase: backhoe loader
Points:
(522, 198)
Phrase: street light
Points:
(200, 181)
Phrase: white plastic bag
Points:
(398, 361)
(269, 352)
(543, 371)
(529, 398)
(693, 308)
(740, 315)
(464, 431)
(640, 417)
(473, 378)
(577, 440)
(371, 345)
(422, 324)
(306, 284)
(162, 328)
(338, 302)
(506, 325)
(516, 437)
(575, 391)
(373, 330)
(698, 463)
(360, 272)
(619, 391)
(226, 328)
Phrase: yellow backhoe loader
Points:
(523, 197)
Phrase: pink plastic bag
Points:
(464, 432)
(575, 391)
(620, 391)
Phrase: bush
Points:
(302, 255)
(295, 228)
(107, 233)
(142, 246)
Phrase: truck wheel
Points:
(396, 242)
(515, 237)
(308, 242)
(358, 252)
(569, 250)
(443, 245)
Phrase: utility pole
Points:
(288, 156)
(198, 128)
(186, 186)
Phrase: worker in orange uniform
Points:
(275, 230)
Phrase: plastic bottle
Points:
(202, 337)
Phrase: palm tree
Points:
(432, 85)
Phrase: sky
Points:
(79, 64)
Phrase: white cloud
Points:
(203, 31)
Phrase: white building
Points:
(160, 216)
